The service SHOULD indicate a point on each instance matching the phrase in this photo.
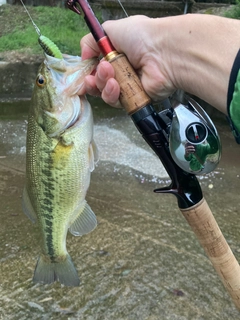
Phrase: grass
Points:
(234, 12)
(62, 26)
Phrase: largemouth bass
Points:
(60, 157)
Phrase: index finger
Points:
(89, 47)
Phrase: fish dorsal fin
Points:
(93, 155)
(27, 206)
(85, 222)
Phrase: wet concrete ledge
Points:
(18, 77)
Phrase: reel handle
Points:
(206, 229)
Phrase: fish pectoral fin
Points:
(93, 155)
(85, 222)
(95, 151)
(27, 206)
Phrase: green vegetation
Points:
(234, 12)
(62, 26)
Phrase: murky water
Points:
(142, 261)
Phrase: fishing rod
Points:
(174, 134)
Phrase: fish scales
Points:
(60, 157)
(56, 169)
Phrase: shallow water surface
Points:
(142, 261)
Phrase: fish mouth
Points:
(66, 122)
(66, 78)
(75, 116)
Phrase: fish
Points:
(60, 156)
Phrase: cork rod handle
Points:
(205, 227)
(132, 95)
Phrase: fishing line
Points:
(123, 8)
(34, 24)
(48, 46)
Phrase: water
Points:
(143, 261)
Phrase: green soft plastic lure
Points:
(49, 47)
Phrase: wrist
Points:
(198, 58)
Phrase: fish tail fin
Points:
(47, 272)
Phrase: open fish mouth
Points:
(65, 118)
(66, 76)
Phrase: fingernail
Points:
(108, 88)
(117, 105)
(102, 73)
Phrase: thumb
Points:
(89, 47)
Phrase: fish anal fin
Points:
(85, 222)
(47, 272)
(27, 206)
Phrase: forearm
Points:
(199, 59)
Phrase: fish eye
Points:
(41, 81)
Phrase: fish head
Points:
(56, 105)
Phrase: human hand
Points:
(136, 38)
(189, 149)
